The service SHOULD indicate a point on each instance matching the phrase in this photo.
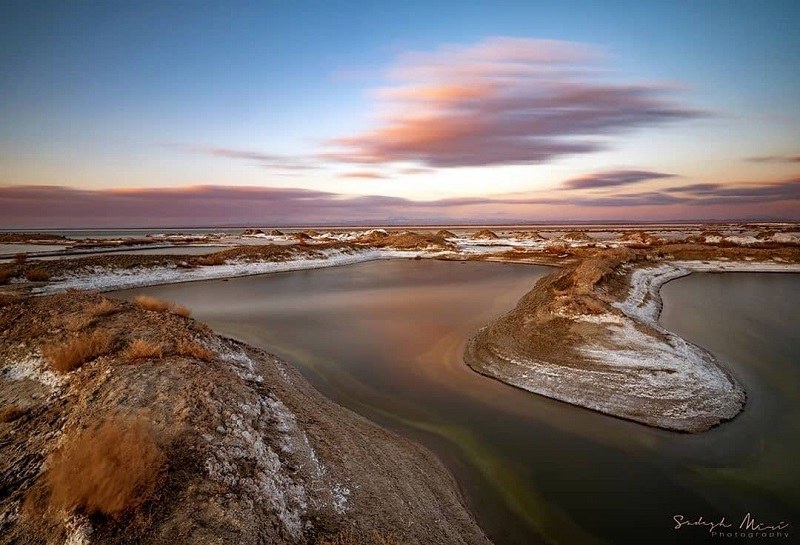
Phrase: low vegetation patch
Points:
(9, 413)
(9, 299)
(210, 260)
(142, 349)
(6, 274)
(73, 353)
(109, 469)
(194, 349)
(37, 275)
(103, 308)
(159, 305)
(77, 322)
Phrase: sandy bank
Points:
(253, 453)
(107, 279)
(590, 336)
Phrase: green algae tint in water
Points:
(386, 338)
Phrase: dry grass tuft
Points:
(210, 260)
(194, 349)
(152, 303)
(109, 469)
(103, 308)
(77, 322)
(9, 413)
(142, 349)
(159, 305)
(37, 275)
(181, 310)
(75, 352)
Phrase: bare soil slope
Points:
(223, 443)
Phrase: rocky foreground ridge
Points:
(131, 423)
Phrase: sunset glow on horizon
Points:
(305, 113)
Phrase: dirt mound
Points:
(252, 232)
(709, 236)
(484, 234)
(276, 233)
(205, 441)
(373, 235)
(409, 240)
(444, 233)
(639, 237)
(528, 235)
(576, 236)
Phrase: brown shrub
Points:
(108, 469)
(180, 310)
(142, 349)
(209, 260)
(77, 322)
(37, 275)
(21, 258)
(103, 308)
(9, 413)
(159, 305)
(75, 352)
(6, 274)
(194, 349)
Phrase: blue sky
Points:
(104, 95)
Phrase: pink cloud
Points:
(503, 101)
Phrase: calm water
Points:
(385, 339)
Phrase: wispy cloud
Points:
(753, 192)
(774, 159)
(55, 206)
(504, 101)
(363, 174)
(265, 160)
(693, 188)
(614, 178)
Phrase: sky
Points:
(143, 114)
